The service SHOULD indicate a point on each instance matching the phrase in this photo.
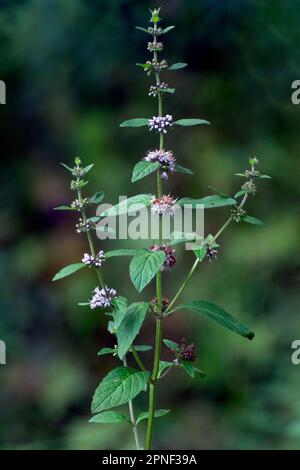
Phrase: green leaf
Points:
(171, 345)
(201, 252)
(132, 204)
(144, 266)
(181, 237)
(145, 415)
(88, 168)
(130, 326)
(166, 30)
(200, 372)
(220, 193)
(181, 169)
(191, 122)
(120, 309)
(218, 315)
(168, 90)
(143, 169)
(121, 252)
(143, 347)
(108, 417)
(142, 29)
(68, 270)
(97, 198)
(64, 208)
(118, 387)
(164, 365)
(137, 122)
(252, 220)
(265, 177)
(208, 202)
(188, 367)
(105, 351)
(67, 167)
(239, 194)
(177, 66)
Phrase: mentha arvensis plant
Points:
(123, 384)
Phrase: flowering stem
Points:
(195, 265)
(159, 325)
(132, 417)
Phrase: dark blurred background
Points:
(69, 68)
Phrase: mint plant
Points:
(123, 384)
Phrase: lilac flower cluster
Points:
(155, 66)
(155, 46)
(170, 259)
(187, 351)
(161, 123)
(155, 89)
(211, 253)
(102, 297)
(166, 160)
(84, 226)
(96, 261)
(164, 205)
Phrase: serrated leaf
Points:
(218, 315)
(252, 220)
(144, 266)
(136, 122)
(120, 308)
(145, 415)
(182, 169)
(64, 208)
(191, 122)
(108, 417)
(208, 202)
(118, 387)
(188, 367)
(132, 204)
(177, 66)
(68, 270)
(121, 252)
(171, 345)
(143, 169)
(105, 351)
(97, 198)
(130, 326)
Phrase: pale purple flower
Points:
(102, 297)
(164, 205)
(161, 123)
(166, 160)
(89, 260)
(170, 259)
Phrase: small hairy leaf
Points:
(137, 122)
(130, 326)
(142, 29)
(218, 315)
(181, 169)
(67, 167)
(163, 365)
(88, 168)
(108, 417)
(144, 266)
(239, 193)
(177, 66)
(143, 169)
(132, 204)
(64, 208)
(97, 198)
(145, 415)
(105, 351)
(68, 270)
(143, 347)
(121, 252)
(191, 122)
(118, 387)
(171, 345)
(252, 220)
(265, 177)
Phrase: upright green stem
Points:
(132, 417)
(159, 325)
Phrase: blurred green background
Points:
(69, 67)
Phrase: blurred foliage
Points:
(71, 79)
